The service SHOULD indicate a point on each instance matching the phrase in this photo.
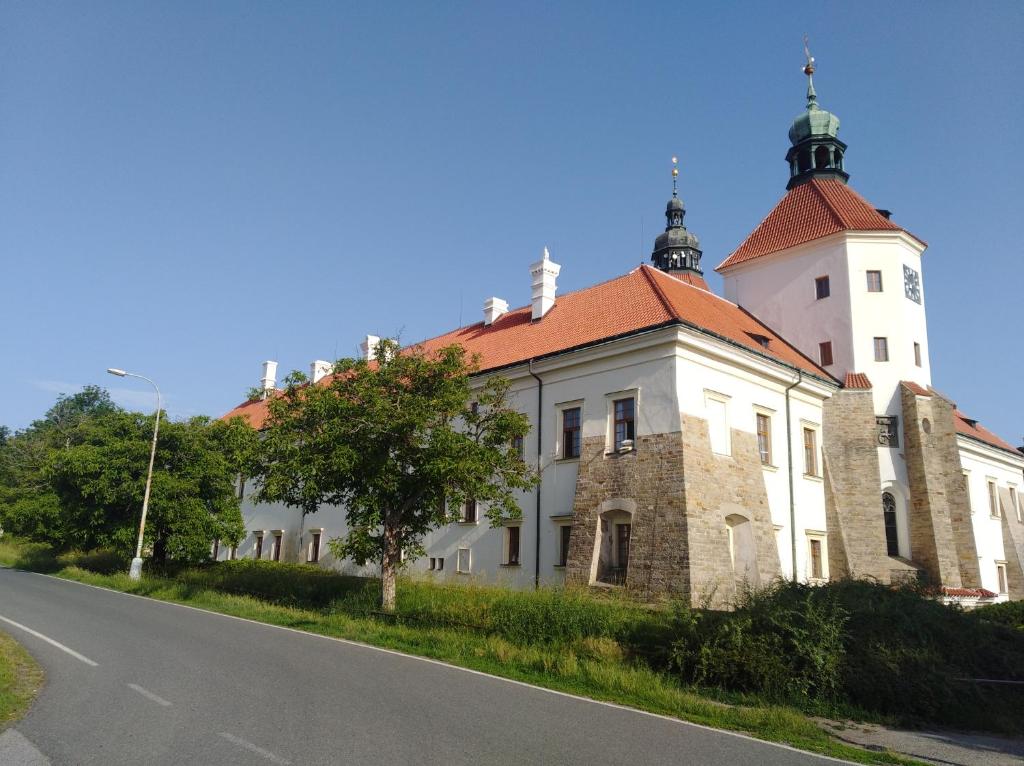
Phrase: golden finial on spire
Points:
(675, 174)
(809, 66)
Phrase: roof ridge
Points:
(665, 302)
(819, 191)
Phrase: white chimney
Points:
(494, 308)
(369, 347)
(544, 273)
(269, 381)
(319, 369)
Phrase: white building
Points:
(687, 443)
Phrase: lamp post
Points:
(135, 572)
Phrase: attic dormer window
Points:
(761, 340)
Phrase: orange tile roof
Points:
(972, 428)
(919, 390)
(810, 211)
(643, 299)
(857, 380)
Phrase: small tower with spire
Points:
(816, 150)
(676, 250)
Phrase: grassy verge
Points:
(20, 680)
(440, 624)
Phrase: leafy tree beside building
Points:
(401, 443)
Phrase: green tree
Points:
(99, 479)
(399, 443)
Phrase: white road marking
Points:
(50, 641)
(253, 748)
(637, 711)
(149, 695)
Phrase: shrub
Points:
(1009, 613)
(101, 560)
(891, 651)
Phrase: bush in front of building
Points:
(1009, 613)
(860, 645)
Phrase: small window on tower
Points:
(825, 353)
(917, 354)
(821, 157)
(874, 281)
(821, 288)
(881, 349)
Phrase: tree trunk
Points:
(390, 559)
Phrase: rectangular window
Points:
(563, 543)
(1001, 577)
(764, 438)
(810, 452)
(469, 511)
(881, 349)
(571, 432)
(993, 499)
(622, 535)
(917, 354)
(624, 412)
(825, 353)
(874, 281)
(512, 546)
(440, 564)
(314, 548)
(216, 549)
(258, 551)
(433, 563)
(718, 424)
(519, 447)
(888, 430)
(817, 566)
(462, 561)
(821, 288)
(275, 552)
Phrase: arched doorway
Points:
(614, 533)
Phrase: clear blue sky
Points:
(189, 188)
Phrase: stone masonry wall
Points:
(853, 499)
(1013, 547)
(679, 494)
(941, 533)
(648, 482)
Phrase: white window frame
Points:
(609, 430)
(723, 399)
(506, 543)
(560, 409)
(462, 512)
(816, 427)
(309, 546)
(561, 524)
(1002, 584)
(770, 414)
(992, 486)
(469, 561)
(276, 544)
(260, 534)
(822, 537)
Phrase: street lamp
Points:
(135, 572)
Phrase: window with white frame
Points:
(512, 540)
(623, 421)
(440, 563)
(433, 563)
(463, 561)
(817, 556)
(993, 499)
(1001, 576)
(763, 427)
(564, 531)
(717, 408)
(313, 550)
(257, 551)
(810, 435)
(470, 511)
(275, 549)
(571, 429)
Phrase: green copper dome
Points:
(814, 122)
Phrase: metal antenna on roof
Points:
(675, 174)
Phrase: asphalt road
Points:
(137, 681)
